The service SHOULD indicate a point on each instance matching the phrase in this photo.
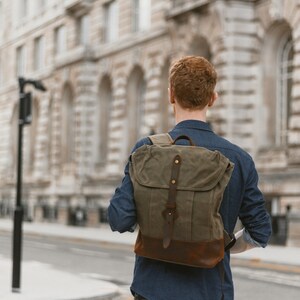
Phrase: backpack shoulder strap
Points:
(161, 139)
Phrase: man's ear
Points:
(171, 95)
(214, 97)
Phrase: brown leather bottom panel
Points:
(198, 254)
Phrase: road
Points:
(115, 264)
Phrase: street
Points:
(114, 263)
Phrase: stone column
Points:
(117, 147)
(235, 57)
(86, 97)
(41, 144)
(294, 230)
(152, 99)
(92, 217)
(55, 157)
(38, 213)
(63, 215)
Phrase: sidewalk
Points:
(50, 284)
(275, 258)
(101, 234)
(40, 281)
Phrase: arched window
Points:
(200, 47)
(283, 101)
(68, 126)
(103, 117)
(135, 106)
(33, 129)
(141, 15)
(23, 9)
(14, 137)
(277, 62)
(50, 132)
(164, 105)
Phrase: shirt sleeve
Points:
(122, 210)
(253, 214)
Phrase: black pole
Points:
(19, 211)
(24, 119)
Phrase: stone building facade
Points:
(105, 65)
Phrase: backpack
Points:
(178, 190)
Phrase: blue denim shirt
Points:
(156, 280)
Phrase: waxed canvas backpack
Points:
(178, 191)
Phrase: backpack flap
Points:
(201, 168)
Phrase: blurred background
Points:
(105, 66)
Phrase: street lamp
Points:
(25, 118)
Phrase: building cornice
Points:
(102, 51)
(182, 7)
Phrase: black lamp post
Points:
(25, 118)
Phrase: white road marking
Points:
(124, 289)
(269, 276)
(97, 276)
(41, 245)
(90, 253)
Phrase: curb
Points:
(112, 244)
(259, 264)
(111, 296)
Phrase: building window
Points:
(39, 6)
(141, 15)
(284, 92)
(104, 109)
(60, 39)
(136, 106)
(20, 61)
(1, 15)
(111, 19)
(39, 53)
(83, 28)
(33, 130)
(42, 4)
(23, 5)
(165, 107)
(14, 138)
(50, 131)
(276, 85)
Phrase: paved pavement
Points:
(41, 282)
(45, 283)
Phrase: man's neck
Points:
(183, 114)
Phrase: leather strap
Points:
(184, 137)
(170, 213)
(229, 240)
(161, 139)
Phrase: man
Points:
(192, 83)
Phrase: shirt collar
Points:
(195, 124)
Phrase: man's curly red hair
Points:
(192, 80)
